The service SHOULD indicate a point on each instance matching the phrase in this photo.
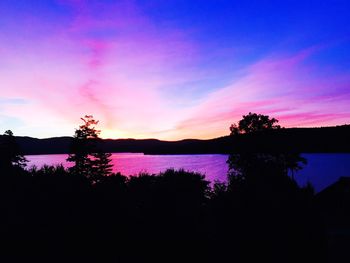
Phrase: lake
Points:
(321, 170)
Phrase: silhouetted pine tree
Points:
(10, 154)
(101, 165)
(88, 160)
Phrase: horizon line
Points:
(182, 139)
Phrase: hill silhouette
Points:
(307, 140)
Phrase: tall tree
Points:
(250, 164)
(89, 160)
(10, 154)
(101, 166)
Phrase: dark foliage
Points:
(251, 167)
(89, 160)
(10, 153)
(252, 123)
(50, 215)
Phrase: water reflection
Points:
(321, 170)
(212, 165)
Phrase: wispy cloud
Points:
(283, 87)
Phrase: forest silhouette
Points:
(87, 213)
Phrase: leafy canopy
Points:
(253, 123)
(250, 165)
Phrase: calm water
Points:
(322, 169)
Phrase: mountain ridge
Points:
(324, 139)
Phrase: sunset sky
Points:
(171, 69)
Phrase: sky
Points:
(171, 69)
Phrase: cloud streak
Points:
(281, 87)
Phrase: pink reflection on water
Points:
(321, 170)
(212, 165)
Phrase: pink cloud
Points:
(119, 78)
(279, 87)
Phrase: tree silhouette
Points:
(294, 163)
(10, 155)
(254, 122)
(101, 166)
(88, 159)
(252, 164)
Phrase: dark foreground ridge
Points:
(326, 139)
(52, 215)
(55, 216)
